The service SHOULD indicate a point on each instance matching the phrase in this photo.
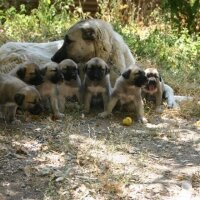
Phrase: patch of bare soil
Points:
(83, 157)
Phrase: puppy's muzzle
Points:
(58, 77)
(95, 75)
(151, 84)
(140, 80)
(37, 80)
(36, 109)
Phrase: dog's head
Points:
(51, 72)
(29, 72)
(28, 98)
(69, 69)
(134, 75)
(153, 79)
(96, 69)
(79, 42)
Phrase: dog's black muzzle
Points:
(152, 82)
(70, 75)
(58, 77)
(37, 80)
(36, 109)
(95, 75)
(140, 80)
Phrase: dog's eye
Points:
(32, 102)
(152, 75)
(149, 75)
(54, 70)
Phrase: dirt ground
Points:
(83, 157)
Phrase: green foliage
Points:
(49, 21)
(184, 13)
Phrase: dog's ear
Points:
(21, 72)
(88, 34)
(160, 77)
(107, 69)
(78, 71)
(85, 68)
(126, 74)
(43, 71)
(19, 98)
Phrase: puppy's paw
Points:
(16, 122)
(172, 105)
(142, 120)
(159, 109)
(59, 116)
(104, 114)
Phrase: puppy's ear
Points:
(126, 74)
(107, 69)
(21, 72)
(88, 34)
(78, 71)
(19, 98)
(85, 68)
(160, 77)
(43, 71)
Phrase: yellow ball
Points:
(127, 121)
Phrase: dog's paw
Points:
(104, 114)
(59, 116)
(16, 122)
(159, 109)
(172, 105)
(142, 120)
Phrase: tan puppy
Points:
(15, 93)
(48, 89)
(156, 90)
(127, 90)
(71, 86)
(28, 72)
(96, 81)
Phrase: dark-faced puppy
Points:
(127, 90)
(96, 81)
(52, 76)
(71, 86)
(28, 72)
(155, 89)
(15, 93)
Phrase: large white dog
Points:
(83, 41)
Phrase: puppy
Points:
(71, 86)
(127, 90)
(15, 93)
(28, 72)
(52, 76)
(156, 90)
(96, 81)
